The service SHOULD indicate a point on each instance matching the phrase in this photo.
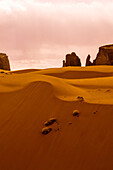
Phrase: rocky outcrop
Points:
(104, 56)
(88, 62)
(4, 62)
(71, 60)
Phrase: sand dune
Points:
(80, 74)
(28, 98)
(25, 71)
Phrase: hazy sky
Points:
(38, 33)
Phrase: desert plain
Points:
(28, 98)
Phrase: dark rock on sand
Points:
(50, 121)
(46, 130)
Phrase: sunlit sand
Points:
(29, 102)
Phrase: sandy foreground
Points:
(28, 98)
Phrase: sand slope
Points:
(29, 97)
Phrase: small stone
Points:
(70, 123)
(76, 113)
(108, 90)
(50, 121)
(46, 130)
(95, 112)
(57, 129)
(80, 98)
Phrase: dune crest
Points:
(67, 84)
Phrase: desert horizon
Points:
(39, 33)
(56, 85)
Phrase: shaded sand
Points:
(25, 71)
(30, 98)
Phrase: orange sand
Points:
(29, 98)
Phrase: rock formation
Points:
(71, 60)
(88, 62)
(104, 56)
(4, 62)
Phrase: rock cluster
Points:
(71, 60)
(4, 62)
(48, 129)
(104, 56)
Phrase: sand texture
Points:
(30, 99)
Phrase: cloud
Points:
(41, 30)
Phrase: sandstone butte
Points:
(4, 62)
(72, 60)
(104, 57)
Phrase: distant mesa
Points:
(71, 60)
(104, 56)
(4, 62)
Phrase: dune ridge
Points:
(94, 86)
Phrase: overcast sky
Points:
(39, 33)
